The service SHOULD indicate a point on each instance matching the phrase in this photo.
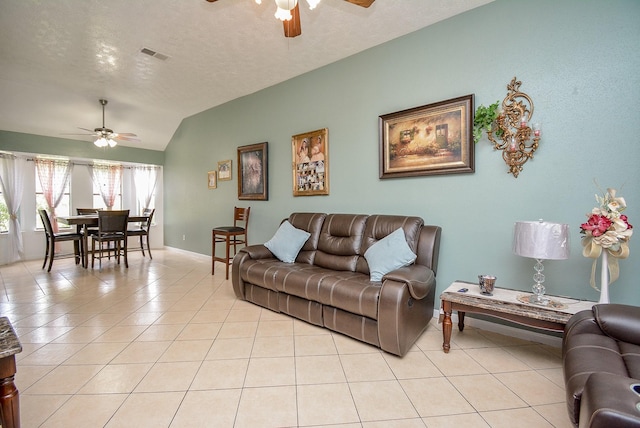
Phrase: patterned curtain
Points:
(12, 172)
(54, 176)
(108, 179)
(145, 179)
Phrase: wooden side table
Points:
(505, 304)
(9, 401)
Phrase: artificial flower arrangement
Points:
(607, 230)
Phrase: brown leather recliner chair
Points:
(601, 363)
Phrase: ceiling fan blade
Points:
(292, 27)
(363, 3)
(92, 131)
(120, 137)
(211, 1)
(126, 134)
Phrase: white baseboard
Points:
(507, 330)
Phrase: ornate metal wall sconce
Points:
(513, 133)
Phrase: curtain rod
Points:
(92, 164)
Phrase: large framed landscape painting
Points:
(429, 140)
(310, 153)
(252, 172)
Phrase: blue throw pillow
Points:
(287, 242)
(389, 253)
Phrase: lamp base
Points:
(539, 300)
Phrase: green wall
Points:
(577, 59)
(29, 143)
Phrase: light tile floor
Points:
(166, 344)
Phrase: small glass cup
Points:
(486, 283)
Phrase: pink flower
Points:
(626, 220)
(597, 224)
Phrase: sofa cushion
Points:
(389, 253)
(379, 226)
(287, 242)
(621, 322)
(340, 241)
(350, 291)
(312, 223)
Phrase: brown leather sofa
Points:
(329, 285)
(601, 362)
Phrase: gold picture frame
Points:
(212, 179)
(224, 170)
(310, 166)
(429, 140)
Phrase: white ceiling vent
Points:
(154, 54)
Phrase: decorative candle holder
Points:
(511, 132)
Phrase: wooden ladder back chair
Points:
(232, 236)
(143, 232)
(112, 229)
(53, 237)
(88, 211)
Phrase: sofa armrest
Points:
(419, 279)
(257, 252)
(620, 322)
(253, 252)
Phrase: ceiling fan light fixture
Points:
(101, 142)
(313, 3)
(283, 14)
(112, 143)
(286, 4)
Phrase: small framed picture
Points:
(212, 179)
(253, 177)
(310, 152)
(224, 170)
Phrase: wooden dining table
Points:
(84, 221)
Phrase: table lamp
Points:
(541, 240)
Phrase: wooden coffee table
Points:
(9, 399)
(505, 304)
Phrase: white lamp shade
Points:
(541, 240)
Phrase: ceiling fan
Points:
(105, 136)
(289, 12)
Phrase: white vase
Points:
(604, 278)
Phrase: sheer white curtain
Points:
(54, 176)
(108, 179)
(12, 172)
(145, 179)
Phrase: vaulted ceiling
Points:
(58, 58)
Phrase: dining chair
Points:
(54, 237)
(231, 236)
(142, 231)
(112, 229)
(88, 211)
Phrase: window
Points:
(4, 215)
(61, 210)
(145, 179)
(98, 202)
(55, 174)
(107, 185)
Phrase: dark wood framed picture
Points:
(310, 166)
(429, 140)
(253, 177)
(224, 170)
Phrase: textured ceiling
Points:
(57, 58)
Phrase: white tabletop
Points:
(511, 296)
